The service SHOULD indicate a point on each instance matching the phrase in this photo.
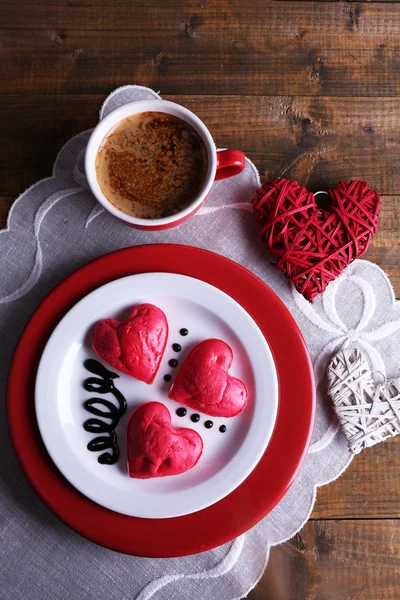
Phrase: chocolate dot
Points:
(173, 363)
(222, 428)
(195, 418)
(167, 377)
(181, 412)
(176, 347)
(208, 424)
(184, 331)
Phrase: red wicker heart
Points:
(313, 245)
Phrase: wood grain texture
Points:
(384, 249)
(205, 47)
(33, 130)
(309, 90)
(335, 560)
(315, 140)
(5, 205)
(368, 489)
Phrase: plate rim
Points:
(50, 431)
(281, 462)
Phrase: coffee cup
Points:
(220, 163)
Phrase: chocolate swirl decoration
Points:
(104, 409)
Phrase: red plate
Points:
(247, 504)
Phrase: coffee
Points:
(151, 165)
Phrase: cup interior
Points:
(127, 110)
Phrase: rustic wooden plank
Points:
(318, 141)
(315, 140)
(328, 560)
(5, 205)
(258, 47)
(144, 4)
(33, 130)
(384, 249)
(369, 488)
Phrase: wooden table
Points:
(309, 90)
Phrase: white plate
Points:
(227, 459)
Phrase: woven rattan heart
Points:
(313, 245)
(368, 412)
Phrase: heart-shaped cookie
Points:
(204, 384)
(368, 412)
(155, 447)
(135, 346)
(312, 245)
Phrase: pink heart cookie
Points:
(135, 346)
(204, 384)
(155, 447)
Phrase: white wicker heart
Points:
(368, 412)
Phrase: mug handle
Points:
(229, 163)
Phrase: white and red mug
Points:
(221, 163)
